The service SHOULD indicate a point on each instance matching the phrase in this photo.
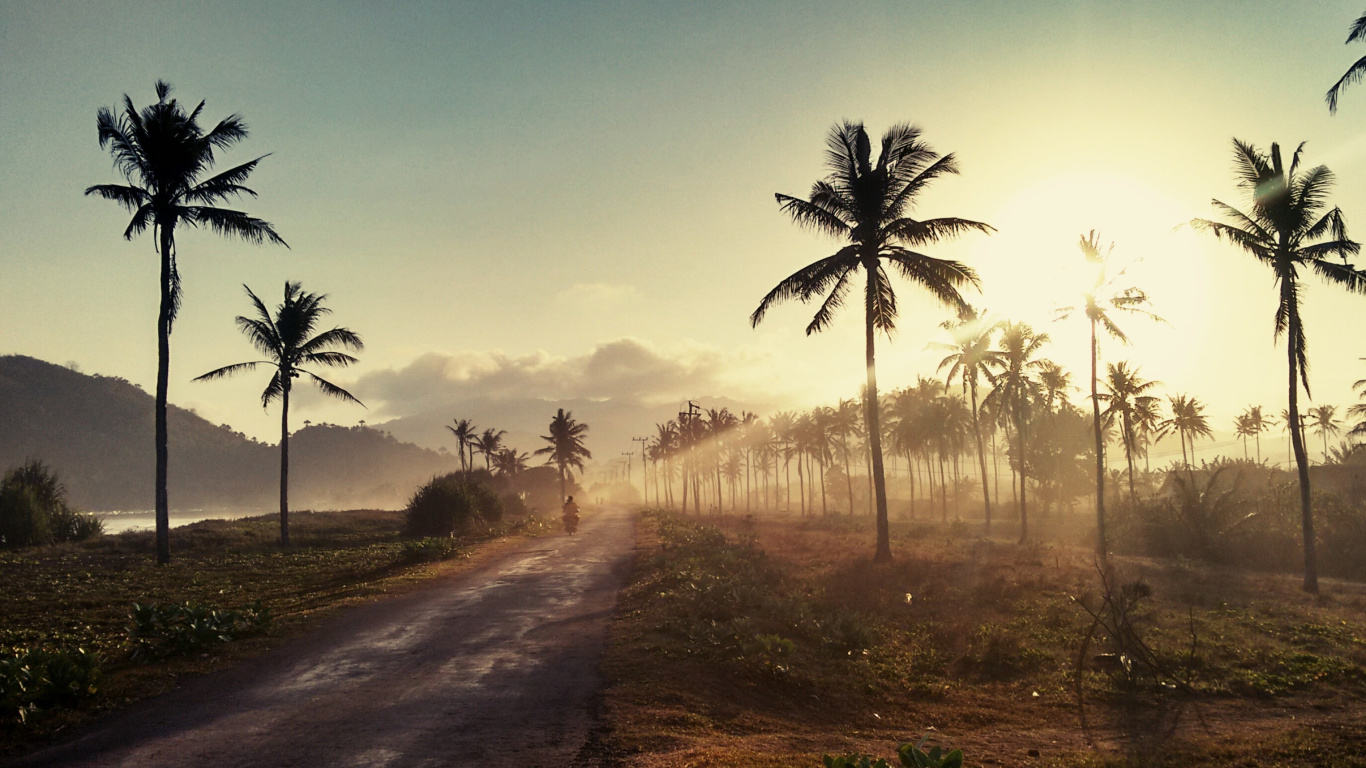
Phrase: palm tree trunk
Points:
(825, 511)
(163, 504)
(981, 458)
(883, 552)
(284, 459)
(1100, 452)
(801, 481)
(848, 477)
(910, 475)
(943, 492)
(562, 494)
(1311, 565)
(1020, 430)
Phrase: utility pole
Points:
(644, 472)
(629, 455)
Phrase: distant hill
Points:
(97, 432)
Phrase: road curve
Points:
(494, 667)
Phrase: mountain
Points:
(97, 433)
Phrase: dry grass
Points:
(975, 643)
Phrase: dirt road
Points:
(494, 667)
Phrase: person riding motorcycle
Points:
(570, 516)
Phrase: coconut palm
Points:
(1323, 419)
(1355, 72)
(566, 449)
(1289, 228)
(1126, 401)
(1256, 423)
(288, 341)
(971, 358)
(1188, 421)
(489, 443)
(509, 463)
(164, 155)
(465, 434)
(1100, 303)
(1242, 428)
(866, 205)
(1015, 390)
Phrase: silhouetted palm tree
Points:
(287, 340)
(566, 449)
(1103, 299)
(1015, 390)
(509, 463)
(1324, 420)
(465, 434)
(164, 155)
(866, 206)
(971, 359)
(1127, 400)
(489, 443)
(1257, 424)
(1355, 72)
(1188, 421)
(1288, 229)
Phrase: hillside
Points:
(97, 432)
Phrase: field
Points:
(80, 595)
(775, 640)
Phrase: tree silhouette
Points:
(1016, 389)
(1256, 424)
(1288, 229)
(489, 443)
(465, 434)
(287, 340)
(1103, 299)
(1126, 400)
(1355, 72)
(1323, 419)
(866, 206)
(164, 155)
(1188, 421)
(970, 359)
(566, 449)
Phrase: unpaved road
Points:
(498, 666)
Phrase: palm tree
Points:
(1257, 424)
(566, 449)
(971, 359)
(1015, 390)
(1188, 421)
(489, 444)
(1103, 299)
(1055, 382)
(1242, 428)
(1289, 230)
(287, 340)
(509, 463)
(164, 154)
(1325, 421)
(1355, 72)
(1127, 400)
(465, 434)
(866, 206)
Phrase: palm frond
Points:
(336, 337)
(808, 214)
(331, 389)
(234, 223)
(1343, 275)
(130, 197)
(833, 301)
(1352, 76)
(807, 282)
(223, 186)
(918, 233)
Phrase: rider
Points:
(570, 515)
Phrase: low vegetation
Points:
(90, 626)
(34, 509)
(451, 505)
(777, 641)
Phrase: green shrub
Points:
(429, 550)
(449, 505)
(34, 509)
(158, 631)
(36, 679)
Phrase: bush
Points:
(448, 505)
(34, 509)
(158, 631)
(429, 550)
(32, 680)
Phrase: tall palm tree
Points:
(489, 443)
(1355, 72)
(465, 434)
(1242, 429)
(971, 358)
(566, 449)
(509, 463)
(867, 207)
(1126, 400)
(288, 342)
(1188, 421)
(1257, 423)
(1054, 384)
(164, 155)
(1289, 228)
(1104, 299)
(1015, 389)
(1323, 419)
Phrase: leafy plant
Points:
(158, 631)
(448, 505)
(429, 550)
(35, 679)
(34, 509)
(910, 755)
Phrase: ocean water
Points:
(145, 519)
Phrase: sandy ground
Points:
(494, 667)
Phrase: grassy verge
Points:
(79, 596)
(779, 641)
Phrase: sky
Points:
(575, 200)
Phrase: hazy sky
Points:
(579, 196)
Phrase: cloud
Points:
(624, 369)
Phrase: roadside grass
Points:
(779, 641)
(79, 596)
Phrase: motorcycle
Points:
(571, 523)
